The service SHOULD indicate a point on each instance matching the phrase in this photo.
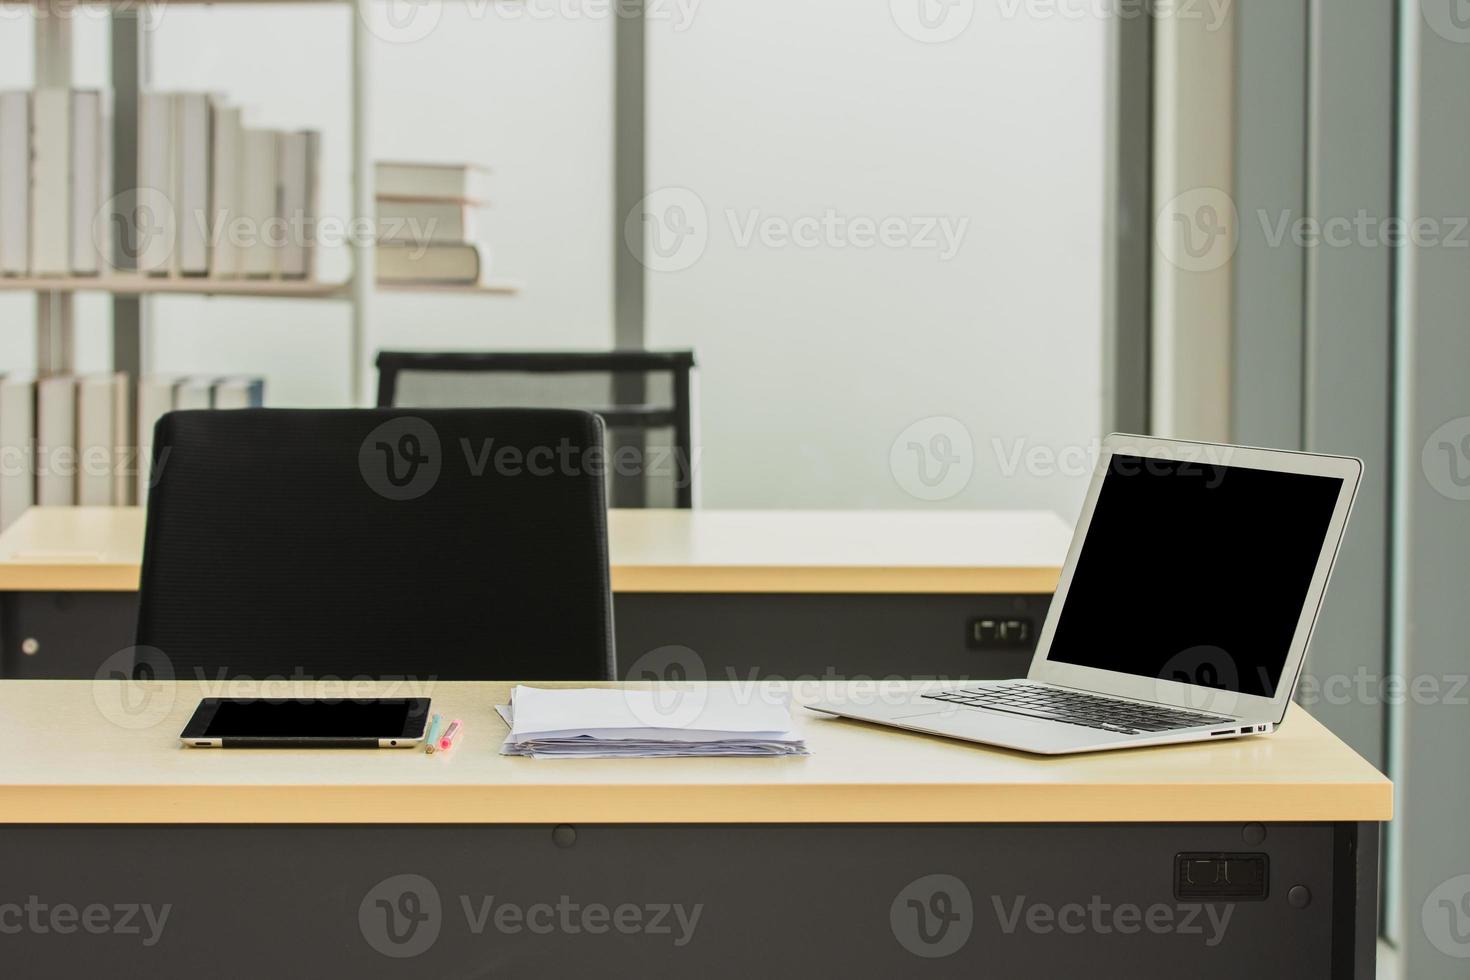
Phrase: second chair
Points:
(646, 398)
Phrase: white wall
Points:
(814, 360)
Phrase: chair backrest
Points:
(457, 544)
(645, 397)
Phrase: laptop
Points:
(1183, 611)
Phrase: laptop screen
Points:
(1195, 572)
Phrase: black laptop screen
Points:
(1195, 572)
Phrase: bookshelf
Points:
(121, 285)
(158, 285)
(492, 288)
(55, 334)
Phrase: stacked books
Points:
(213, 197)
(69, 439)
(667, 721)
(428, 224)
(220, 199)
(55, 182)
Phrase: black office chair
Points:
(458, 544)
(644, 396)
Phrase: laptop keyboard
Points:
(1077, 708)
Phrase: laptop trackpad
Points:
(997, 728)
(922, 713)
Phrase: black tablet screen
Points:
(309, 719)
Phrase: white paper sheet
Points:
(667, 721)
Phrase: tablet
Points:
(337, 723)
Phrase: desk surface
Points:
(75, 752)
(100, 548)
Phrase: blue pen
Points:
(432, 738)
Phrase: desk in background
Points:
(769, 592)
(882, 854)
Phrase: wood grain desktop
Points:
(77, 752)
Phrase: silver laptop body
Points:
(1182, 614)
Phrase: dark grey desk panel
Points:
(71, 633)
(791, 635)
(677, 901)
(785, 635)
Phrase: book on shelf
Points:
(239, 392)
(50, 182)
(15, 183)
(445, 265)
(193, 394)
(258, 201)
(102, 439)
(433, 181)
(414, 220)
(91, 181)
(56, 441)
(18, 443)
(224, 189)
(152, 228)
(296, 183)
(190, 189)
(313, 196)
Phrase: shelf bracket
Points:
(55, 334)
(630, 184)
(129, 78)
(363, 261)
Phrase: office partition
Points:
(1345, 254)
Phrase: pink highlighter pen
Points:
(450, 734)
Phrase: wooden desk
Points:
(764, 590)
(106, 770)
(99, 549)
(815, 857)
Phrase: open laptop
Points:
(1183, 611)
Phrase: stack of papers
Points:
(665, 722)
